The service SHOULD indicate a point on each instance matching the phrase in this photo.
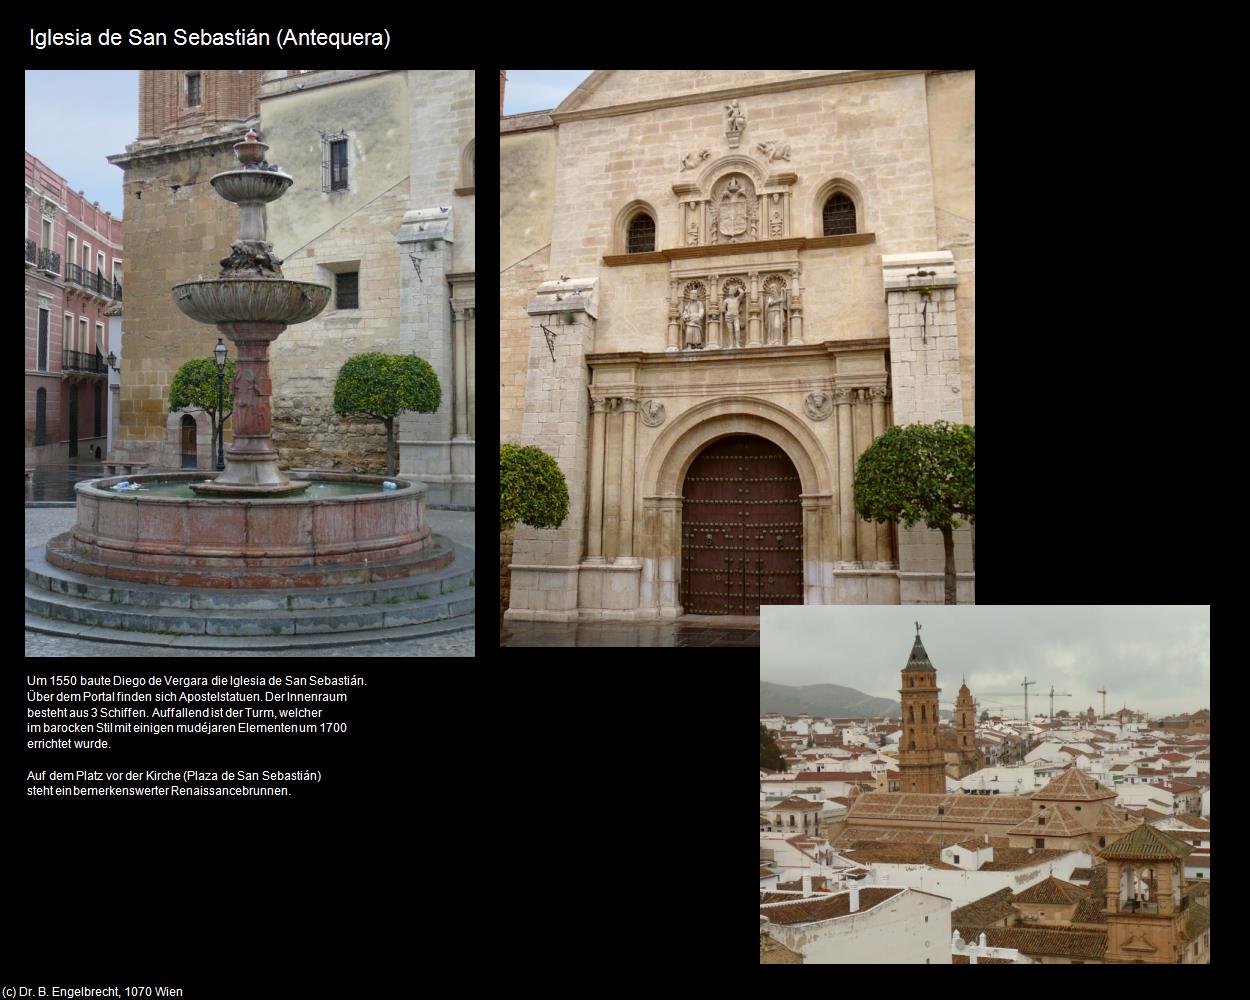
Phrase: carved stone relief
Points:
(652, 413)
(733, 213)
(818, 405)
(692, 160)
(774, 216)
(774, 150)
(776, 309)
(693, 315)
(735, 125)
(733, 295)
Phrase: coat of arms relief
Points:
(733, 211)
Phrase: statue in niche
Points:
(774, 217)
(692, 160)
(729, 311)
(737, 118)
(692, 230)
(692, 320)
(775, 308)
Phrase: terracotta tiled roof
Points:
(838, 905)
(1145, 843)
(765, 873)
(1193, 821)
(973, 844)
(1039, 941)
(1052, 890)
(1074, 785)
(1198, 920)
(1089, 911)
(1007, 859)
(1112, 824)
(792, 804)
(1056, 821)
(985, 911)
(1004, 809)
(1081, 874)
(960, 960)
(851, 776)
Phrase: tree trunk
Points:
(948, 543)
(390, 442)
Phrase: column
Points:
(461, 430)
(846, 505)
(470, 358)
(629, 428)
(753, 312)
(674, 319)
(612, 482)
(594, 529)
(713, 312)
(865, 530)
(796, 309)
(885, 546)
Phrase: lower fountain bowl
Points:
(296, 541)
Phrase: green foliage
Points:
(770, 754)
(920, 473)
(985, 716)
(383, 385)
(532, 489)
(195, 384)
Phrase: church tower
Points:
(1147, 912)
(965, 731)
(921, 761)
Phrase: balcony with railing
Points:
(32, 252)
(82, 362)
(50, 261)
(92, 282)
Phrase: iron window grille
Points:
(839, 216)
(335, 160)
(347, 290)
(641, 235)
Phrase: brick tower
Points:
(1148, 918)
(921, 761)
(965, 731)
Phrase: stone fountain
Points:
(250, 555)
(251, 303)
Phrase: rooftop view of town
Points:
(947, 830)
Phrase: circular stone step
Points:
(68, 603)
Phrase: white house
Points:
(877, 925)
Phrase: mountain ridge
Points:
(833, 700)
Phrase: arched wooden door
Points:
(742, 529)
(188, 442)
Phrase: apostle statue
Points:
(775, 309)
(729, 310)
(692, 319)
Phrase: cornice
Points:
(730, 249)
(707, 96)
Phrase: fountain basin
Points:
(251, 185)
(300, 541)
(258, 299)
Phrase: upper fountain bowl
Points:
(251, 185)
(236, 300)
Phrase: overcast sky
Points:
(539, 89)
(1156, 659)
(76, 118)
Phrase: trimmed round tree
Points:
(532, 489)
(381, 386)
(195, 384)
(921, 473)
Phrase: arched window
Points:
(921, 713)
(911, 713)
(839, 215)
(913, 744)
(641, 238)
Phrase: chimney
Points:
(855, 900)
(807, 885)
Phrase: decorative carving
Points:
(692, 230)
(692, 160)
(878, 392)
(48, 207)
(774, 150)
(612, 404)
(774, 217)
(692, 315)
(818, 405)
(652, 413)
(734, 292)
(736, 123)
(733, 210)
(776, 309)
(842, 395)
(252, 257)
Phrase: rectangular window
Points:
(99, 338)
(338, 165)
(42, 360)
(71, 252)
(83, 335)
(46, 232)
(347, 290)
(99, 261)
(1039, 842)
(193, 90)
(86, 256)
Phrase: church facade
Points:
(717, 288)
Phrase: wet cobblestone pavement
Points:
(56, 482)
(679, 632)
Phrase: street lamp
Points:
(219, 355)
(111, 361)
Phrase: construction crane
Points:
(1053, 696)
(1103, 692)
(1026, 683)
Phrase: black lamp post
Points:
(219, 355)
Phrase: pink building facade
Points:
(73, 259)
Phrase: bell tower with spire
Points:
(921, 761)
(965, 731)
